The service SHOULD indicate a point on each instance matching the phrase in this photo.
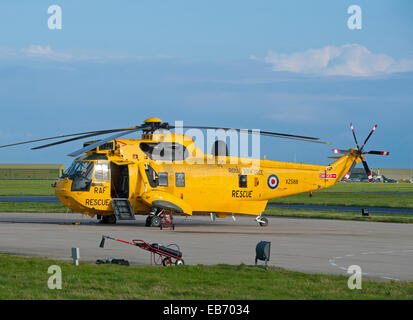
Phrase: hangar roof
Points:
(31, 166)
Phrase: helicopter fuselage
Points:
(169, 172)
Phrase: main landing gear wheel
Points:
(108, 219)
(153, 221)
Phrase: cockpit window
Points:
(166, 151)
(76, 168)
(70, 169)
(88, 172)
(80, 168)
(82, 176)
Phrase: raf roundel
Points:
(272, 181)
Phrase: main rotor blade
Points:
(264, 133)
(368, 137)
(380, 153)
(77, 138)
(61, 136)
(368, 172)
(100, 142)
(296, 139)
(261, 132)
(354, 135)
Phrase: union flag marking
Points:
(328, 175)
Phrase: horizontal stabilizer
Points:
(340, 151)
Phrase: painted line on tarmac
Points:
(388, 278)
(334, 260)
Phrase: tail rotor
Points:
(360, 152)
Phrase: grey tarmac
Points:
(375, 210)
(384, 251)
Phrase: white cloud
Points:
(45, 52)
(36, 52)
(346, 60)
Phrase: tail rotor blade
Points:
(359, 153)
(368, 172)
(354, 135)
(380, 153)
(368, 137)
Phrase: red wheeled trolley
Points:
(167, 220)
(160, 254)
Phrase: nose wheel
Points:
(262, 221)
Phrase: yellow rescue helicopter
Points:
(116, 179)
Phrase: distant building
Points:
(396, 174)
(31, 171)
(382, 175)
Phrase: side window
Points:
(163, 179)
(153, 177)
(180, 179)
(242, 181)
(102, 171)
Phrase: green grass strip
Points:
(32, 207)
(26, 278)
(26, 187)
(373, 200)
(337, 215)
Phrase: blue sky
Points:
(286, 66)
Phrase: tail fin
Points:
(342, 166)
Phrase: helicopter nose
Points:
(63, 192)
(60, 187)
